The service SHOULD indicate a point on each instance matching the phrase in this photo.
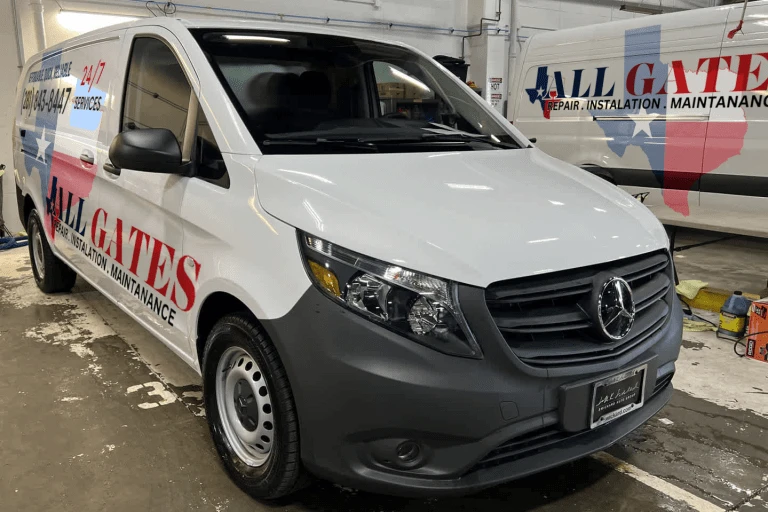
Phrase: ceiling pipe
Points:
(376, 4)
(512, 51)
(17, 31)
(39, 22)
(481, 30)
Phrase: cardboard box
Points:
(391, 90)
(757, 338)
(413, 92)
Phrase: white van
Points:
(379, 280)
(672, 108)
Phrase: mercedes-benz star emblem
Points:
(616, 308)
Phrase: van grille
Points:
(544, 319)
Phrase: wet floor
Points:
(97, 415)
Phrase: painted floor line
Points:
(658, 484)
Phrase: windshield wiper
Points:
(373, 143)
(468, 137)
(347, 143)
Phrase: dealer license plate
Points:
(618, 395)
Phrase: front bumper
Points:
(361, 390)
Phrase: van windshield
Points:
(304, 93)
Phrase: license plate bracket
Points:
(615, 396)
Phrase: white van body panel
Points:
(242, 249)
(462, 216)
(752, 39)
(664, 106)
(159, 233)
(55, 158)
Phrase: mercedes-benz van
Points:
(380, 281)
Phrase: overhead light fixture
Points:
(408, 78)
(256, 39)
(467, 186)
(86, 21)
(642, 8)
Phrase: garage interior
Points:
(96, 414)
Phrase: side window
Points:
(210, 164)
(403, 95)
(157, 91)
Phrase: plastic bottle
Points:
(733, 317)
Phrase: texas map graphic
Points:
(58, 171)
(652, 115)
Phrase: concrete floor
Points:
(82, 427)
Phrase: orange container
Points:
(757, 340)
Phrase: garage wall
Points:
(8, 79)
(436, 17)
(557, 14)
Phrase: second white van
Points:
(672, 108)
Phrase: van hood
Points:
(471, 217)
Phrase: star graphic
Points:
(541, 92)
(42, 146)
(643, 122)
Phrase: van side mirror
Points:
(148, 150)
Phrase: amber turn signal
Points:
(325, 278)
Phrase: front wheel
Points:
(51, 274)
(250, 409)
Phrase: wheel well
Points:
(29, 205)
(214, 307)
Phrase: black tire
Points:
(51, 274)
(281, 474)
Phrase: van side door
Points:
(61, 129)
(734, 184)
(653, 145)
(138, 224)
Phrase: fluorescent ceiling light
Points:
(644, 8)
(408, 78)
(466, 186)
(256, 39)
(86, 21)
(640, 9)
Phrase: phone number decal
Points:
(46, 100)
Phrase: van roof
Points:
(219, 23)
(682, 19)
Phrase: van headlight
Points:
(420, 307)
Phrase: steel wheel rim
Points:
(245, 406)
(37, 251)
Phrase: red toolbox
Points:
(757, 339)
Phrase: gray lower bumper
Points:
(361, 390)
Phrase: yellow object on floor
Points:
(690, 288)
(712, 299)
(697, 326)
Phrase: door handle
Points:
(86, 157)
(111, 169)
